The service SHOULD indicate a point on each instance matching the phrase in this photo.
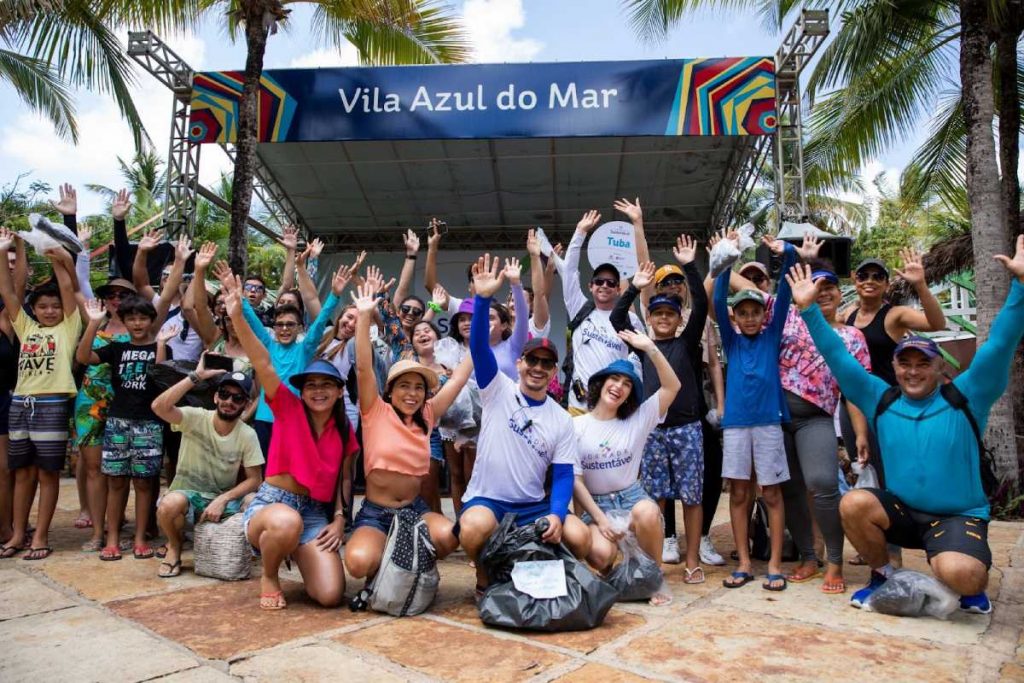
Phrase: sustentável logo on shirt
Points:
(592, 333)
(524, 430)
(606, 458)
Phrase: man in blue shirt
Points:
(934, 497)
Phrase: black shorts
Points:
(934, 533)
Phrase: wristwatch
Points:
(194, 377)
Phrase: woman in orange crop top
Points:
(396, 444)
(291, 512)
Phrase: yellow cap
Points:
(665, 271)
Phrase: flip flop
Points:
(691, 573)
(161, 552)
(743, 579)
(35, 554)
(92, 546)
(775, 577)
(856, 561)
(835, 586)
(9, 551)
(660, 600)
(797, 578)
(174, 570)
(272, 601)
(110, 553)
(142, 552)
(83, 522)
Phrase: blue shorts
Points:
(379, 517)
(436, 446)
(625, 499)
(673, 463)
(313, 512)
(526, 513)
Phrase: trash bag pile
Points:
(726, 252)
(637, 576)
(912, 594)
(584, 605)
(168, 373)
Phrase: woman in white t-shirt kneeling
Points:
(611, 440)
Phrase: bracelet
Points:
(194, 377)
(435, 307)
(339, 513)
(410, 257)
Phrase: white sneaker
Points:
(708, 554)
(670, 551)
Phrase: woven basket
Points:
(221, 550)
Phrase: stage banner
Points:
(721, 96)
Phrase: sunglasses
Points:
(285, 325)
(411, 310)
(605, 282)
(544, 363)
(233, 396)
(672, 282)
(871, 275)
(254, 288)
(115, 295)
(758, 278)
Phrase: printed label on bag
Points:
(542, 579)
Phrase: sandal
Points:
(84, 521)
(271, 601)
(125, 544)
(92, 546)
(660, 599)
(38, 553)
(738, 580)
(834, 586)
(9, 551)
(797, 577)
(856, 561)
(110, 553)
(697, 572)
(142, 552)
(767, 585)
(173, 570)
(161, 552)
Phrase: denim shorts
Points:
(313, 512)
(624, 499)
(379, 517)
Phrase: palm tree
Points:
(145, 178)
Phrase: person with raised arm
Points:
(929, 432)
(523, 432)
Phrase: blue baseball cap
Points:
(239, 379)
(621, 367)
(917, 343)
(317, 367)
(665, 300)
(826, 275)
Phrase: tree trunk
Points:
(988, 226)
(245, 144)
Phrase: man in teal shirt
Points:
(933, 498)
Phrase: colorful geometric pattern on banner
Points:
(720, 96)
(730, 96)
(215, 99)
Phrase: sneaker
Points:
(976, 604)
(670, 551)
(860, 597)
(708, 554)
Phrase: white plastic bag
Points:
(726, 252)
(637, 576)
(46, 234)
(867, 478)
(912, 594)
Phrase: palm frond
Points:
(161, 16)
(652, 19)
(41, 88)
(939, 166)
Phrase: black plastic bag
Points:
(912, 594)
(760, 536)
(168, 373)
(588, 600)
(637, 576)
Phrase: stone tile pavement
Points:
(73, 618)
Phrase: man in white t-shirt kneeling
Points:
(523, 432)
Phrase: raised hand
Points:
(644, 275)
(205, 255)
(804, 289)
(183, 248)
(365, 297)
(434, 238)
(1016, 264)
(440, 297)
(290, 237)
(205, 373)
(316, 247)
(222, 271)
(356, 265)
(412, 243)
(85, 234)
(7, 238)
(232, 295)
(487, 275)
(638, 340)
(95, 310)
(631, 209)
(341, 278)
(167, 333)
(811, 246)
(776, 246)
(588, 222)
(150, 240)
(68, 202)
(513, 270)
(913, 268)
(532, 243)
(685, 250)
(303, 256)
(58, 255)
(121, 205)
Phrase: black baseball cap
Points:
(869, 262)
(239, 379)
(540, 344)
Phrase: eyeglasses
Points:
(233, 396)
(254, 288)
(758, 278)
(872, 275)
(411, 310)
(545, 363)
(115, 295)
(285, 325)
(672, 282)
(605, 282)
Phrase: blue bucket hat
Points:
(625, 368)
(317, 367)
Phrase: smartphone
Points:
(442, 229)
(215, 361)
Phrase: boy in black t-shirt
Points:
(133, 436)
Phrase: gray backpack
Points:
(407, 581)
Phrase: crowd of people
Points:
(670, 384)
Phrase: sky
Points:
(499, 31)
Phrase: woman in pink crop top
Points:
(291, 513)
(396, 436)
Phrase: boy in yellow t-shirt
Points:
(39, 409)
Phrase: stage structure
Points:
(352, 155)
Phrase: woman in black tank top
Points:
(880, 345)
